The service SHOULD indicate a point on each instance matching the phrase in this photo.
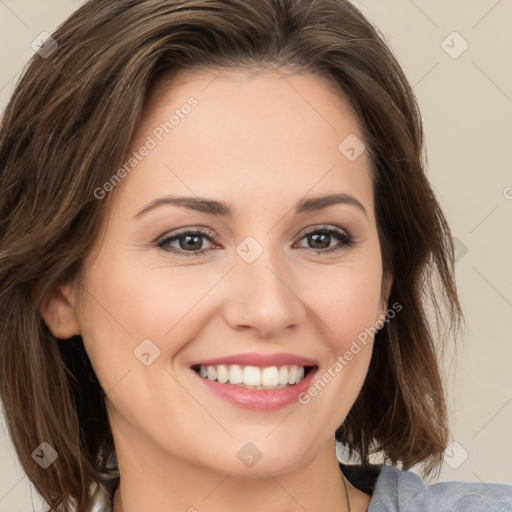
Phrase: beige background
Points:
(467, 109)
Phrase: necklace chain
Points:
(346, 493)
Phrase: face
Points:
(171, 286)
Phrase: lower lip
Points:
(259, 399)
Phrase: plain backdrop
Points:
(456, 54)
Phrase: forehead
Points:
(257, 88)
(266, 136)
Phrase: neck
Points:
(175, 484)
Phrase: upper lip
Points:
(260, 360)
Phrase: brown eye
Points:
(320, 239)
(190, 243)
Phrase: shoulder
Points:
(394, 490)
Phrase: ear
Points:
(59, 313)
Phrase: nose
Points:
(263, 296)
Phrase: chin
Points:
(250, 459)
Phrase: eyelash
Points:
(342, 235)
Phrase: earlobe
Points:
(59, 313)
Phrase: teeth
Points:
(235, 374)
(222, 373)
(292, 374)
(211, 373)
(270, 376)
(253, 377)
(283, 375)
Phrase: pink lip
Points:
(260, 360)
(259, 399)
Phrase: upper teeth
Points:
(253, 377)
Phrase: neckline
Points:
(363, 477)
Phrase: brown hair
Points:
(68, 127)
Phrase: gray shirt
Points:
(391, 489)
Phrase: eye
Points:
(321, 238)
(191, 242)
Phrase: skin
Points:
(260, 143)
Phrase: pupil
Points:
(319, 241)
(324, 236)
(191, 245)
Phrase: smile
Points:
(254, 377)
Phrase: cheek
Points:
(346, 300)
(126, 304)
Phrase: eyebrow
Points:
(219, 208)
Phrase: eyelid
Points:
(202, 230)
(344, 235)
(350, 239)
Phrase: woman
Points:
(176, 177)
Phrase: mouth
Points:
(255, 377)
(256, 381)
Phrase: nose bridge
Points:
(264, 290)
